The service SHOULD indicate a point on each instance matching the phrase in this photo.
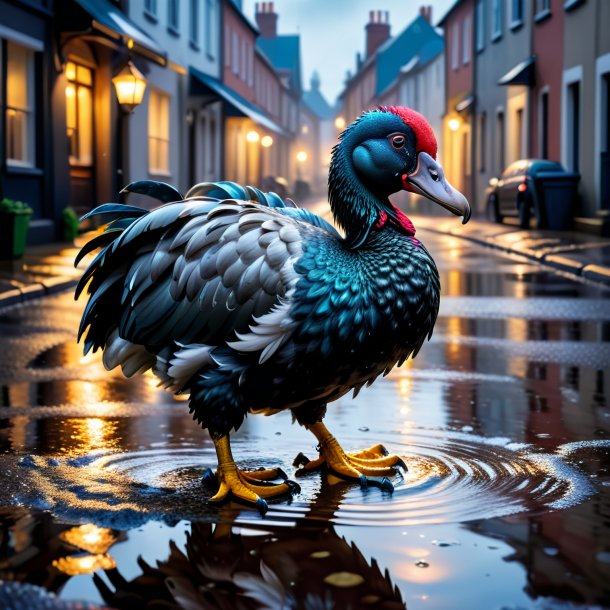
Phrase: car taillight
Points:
(522, 187)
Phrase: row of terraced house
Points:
(501, 80)
(223, 99)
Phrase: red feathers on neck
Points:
(404, 222)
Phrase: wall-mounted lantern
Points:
(130, 86)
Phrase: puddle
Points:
(452, 477)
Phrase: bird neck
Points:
(355, 208)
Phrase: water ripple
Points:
(452, 477)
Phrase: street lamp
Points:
(130, 85)
(253, 136)
(340, 122)
(301, 156)
(454, 124)
(266, 141)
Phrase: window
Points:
(455, 46)
(19, 106)
(194, 24)
(79, 113)
(482, 140)
(209, 28)
(235, 53)
(173, 16)
(150, 8)
(158, 133)
(500, 135)
(544, 125)
(496, 19)
(573, 132)
(569, 5)
(543, 9)
(517, 14)
(227, 47)
(480, 24)
(466, 42)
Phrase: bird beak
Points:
(428, 180)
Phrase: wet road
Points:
(503, 419)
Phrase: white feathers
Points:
(269, 331)
(133, 358)
(186, 362)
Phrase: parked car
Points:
(518, 192)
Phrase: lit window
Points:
(496, 19)
(150, 7)
(466, 41)
(173, 15)
(79, 113)
(194, 23)
(19, 106)
(480, 17)
(158, 133)
(455, 46)
(517, 13)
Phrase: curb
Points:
(28, 292)
(593, 273)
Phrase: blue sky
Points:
(332, 31)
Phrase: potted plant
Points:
(70, 224)
(14, 221)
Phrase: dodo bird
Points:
(252, 305)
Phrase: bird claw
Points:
(251, 487)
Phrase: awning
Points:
(203, 84)
(109, 20)
(522, 74)
(465, 103)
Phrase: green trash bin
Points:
(14, 222)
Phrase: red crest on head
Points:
(426, 140)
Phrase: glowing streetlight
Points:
(454, 124)
(266, 141)
(340, 122)
(253, 136)
(130, 85)
(301, 156)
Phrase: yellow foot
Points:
(251, 487)
(369, 466)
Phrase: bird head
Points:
(384, 151)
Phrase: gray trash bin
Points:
(556, 195)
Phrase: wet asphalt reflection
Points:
(503, 420)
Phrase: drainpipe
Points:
(473, 127)
(530, 92)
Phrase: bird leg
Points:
(373, 462)
(251, 487)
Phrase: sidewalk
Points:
(579, 254)
(50, 268)
(43, 270)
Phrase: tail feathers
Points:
(232, 190)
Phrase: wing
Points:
(223, 275)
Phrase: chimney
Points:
(426, 13)
(377, 31)
(266, 19)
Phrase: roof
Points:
(237, 9)
(103, 16)
(419, 39)
(451, 9)
(284, 52)
(317, 103)
(235, 104)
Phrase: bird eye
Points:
(398, 141)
